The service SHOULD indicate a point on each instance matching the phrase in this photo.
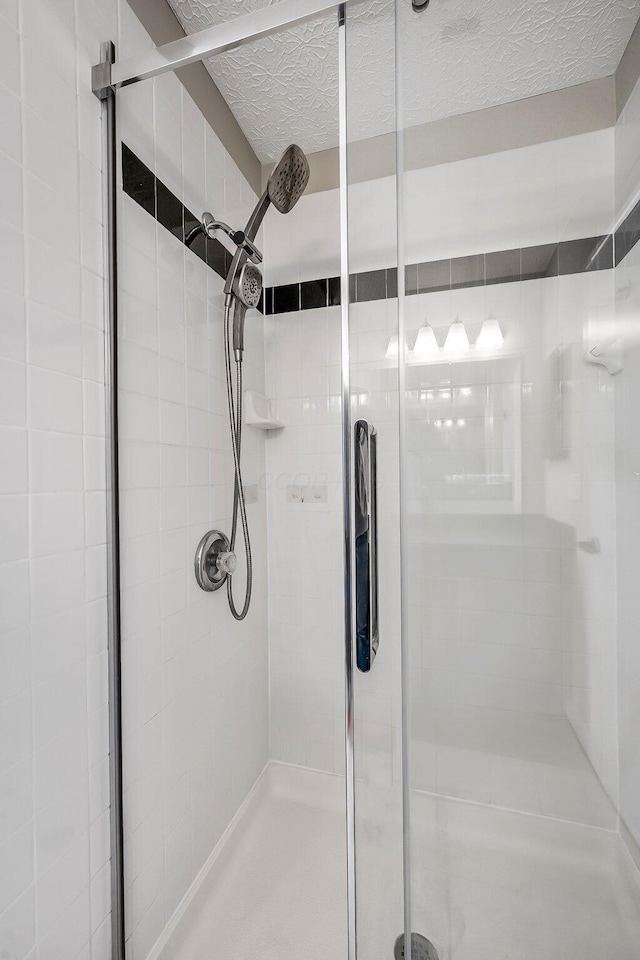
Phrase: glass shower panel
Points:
(195, 696)
(373, 372)
(237, 794)
(234, 788)
(512, 386)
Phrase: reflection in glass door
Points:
(515, 403)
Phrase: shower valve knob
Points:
(214, 561)
(227, 562)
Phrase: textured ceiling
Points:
(457, 56)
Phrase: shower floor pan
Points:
(488, 883)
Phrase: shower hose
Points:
(235, 424)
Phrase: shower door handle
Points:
(366, 541)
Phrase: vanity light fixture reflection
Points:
(449, 423)
(426, 346)
(457, 340)
(490, 336)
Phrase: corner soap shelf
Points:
(258, 412)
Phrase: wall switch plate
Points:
(317, 493)
(295, 494)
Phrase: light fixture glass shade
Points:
(457, 340)
(490, 337)
(426, 346)
(392, 348)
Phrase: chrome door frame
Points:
(114, 638)
(207, 43)
(347, 490)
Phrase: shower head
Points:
(289, 179)
(285, 186)
(245, 294)
(249, 285)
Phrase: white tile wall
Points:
(54, 892)
(306, 606)
(511, 654)
(507, 664)
(492, 623)
(580, 493)
(305, 554)
(189, 669)
(195, 682)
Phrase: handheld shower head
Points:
(289, 179)
(249, 286)
(245, 293)
(242, 290)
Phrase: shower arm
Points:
(256, 218)
(210, 227)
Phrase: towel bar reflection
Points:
(366, 540)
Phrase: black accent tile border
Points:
(433, 276)
(502, 266)
(467, 272)
(371, 285)
(138, 181)
(627, 234)
(411, 279)
(169, 211)
(313, 294)
(333, 285)
(141, 184)
(286, 298)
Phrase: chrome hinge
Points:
(101, 72)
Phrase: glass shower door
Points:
(233, 742)
(369, 155)
(519, 373)
(242, 817)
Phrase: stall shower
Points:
(320, 525)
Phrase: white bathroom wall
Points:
(306, 604)
(580, 493)
(627, 305)
(306, 585)
(187, 666)
(195, 682)
(512, 650)
(54, 886)
(306, 614)
(485, 612)
(496, 578)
